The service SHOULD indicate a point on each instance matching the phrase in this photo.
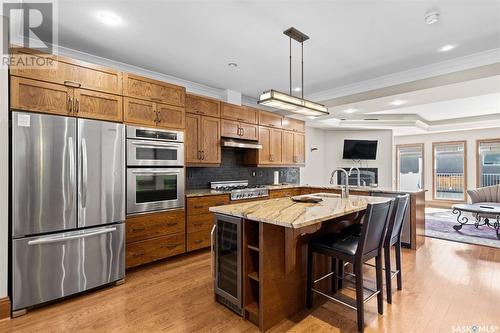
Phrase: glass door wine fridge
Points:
(226, 246)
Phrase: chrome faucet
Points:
(345, 188)
(359, 175)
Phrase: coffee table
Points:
(484, 215)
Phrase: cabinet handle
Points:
(139, 254)
(197, 224)
(158, 119)
(169, 247)
(70, 104)
(271, 158)
(242, 131)
(220, 203)
(77, 105)
(199, 155)
(202, 154)
(197, 206)
(138, 229)
(72, 84)
(170, 224)
(198, 241)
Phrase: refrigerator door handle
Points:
(84, 173)
(57, 239)
(71, 168)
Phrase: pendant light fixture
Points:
(288, 102)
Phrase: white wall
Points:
(427, 139)
(320, 164)
(4, 175)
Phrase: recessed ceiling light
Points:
(109, 18)
(431, 17)
(350, 110)
(297, 89)
(398, 102)
(447, 48)
(233, 64)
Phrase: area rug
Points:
(440, 225)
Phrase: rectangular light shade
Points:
(290, 103)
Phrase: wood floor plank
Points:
(444, 284)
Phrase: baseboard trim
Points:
(4, 308)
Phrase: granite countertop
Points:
(205, 192)
(288, 213)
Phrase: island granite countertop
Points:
(290, 214)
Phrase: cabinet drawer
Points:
(239, 113)
(202, 222)
(200, 205)
(153, 90)
(142, 252)
(270, 119)
(198, 240)
(202, 106)
(284, 193)
(146, 226)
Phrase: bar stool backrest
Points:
(374, 228)
(395, 226)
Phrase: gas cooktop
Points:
(239, 189)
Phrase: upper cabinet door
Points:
(36, 96)
(265, 141)
(270, 119)
(239, 113)
(210, 140)
(202, 106)
(153, 90)
(139, 112)
(249, 132)
(192, 139)
(230, 129)
(294, 125)
(70, 72)
(288, 148)
(276, 146)
(170, 116)
(299, 148)
(97, 105)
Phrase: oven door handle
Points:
(155, 172)
(155, 144)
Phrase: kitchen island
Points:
(264, 276)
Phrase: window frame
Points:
(478, 157)
(434, 144)
(406, 145)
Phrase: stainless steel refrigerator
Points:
(68, 206)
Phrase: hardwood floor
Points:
(445, 285)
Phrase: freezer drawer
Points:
(53, 266)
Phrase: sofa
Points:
(487, 196)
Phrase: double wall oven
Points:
(155, 169)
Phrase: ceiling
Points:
(351, 41)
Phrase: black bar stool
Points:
(356, 250)
(393, 238)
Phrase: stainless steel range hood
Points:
(235, 143)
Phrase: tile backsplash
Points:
(232, 168)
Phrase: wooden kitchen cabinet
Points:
(294, 125)
(37, 96)
(69, 72)
(153, 90)
(288, 147)
(98, 105)
(239, 113)
(202, 142)
(238, 130)
(271, 153)
(202, 106)
(270, 119)
(139, 112)
(299, 148)
(154, 236)
(169, 116)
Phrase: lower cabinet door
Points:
(198, 240)
(49, 267)
(153, 249)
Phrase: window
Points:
(488, 162)
(449, 176)
(410, 167)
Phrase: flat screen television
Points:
(360, 150)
